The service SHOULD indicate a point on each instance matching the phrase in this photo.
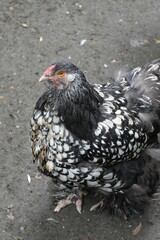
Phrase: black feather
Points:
(79, 107)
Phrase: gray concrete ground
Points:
(118, 34)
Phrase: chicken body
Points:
(94, 136)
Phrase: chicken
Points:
(96, 136)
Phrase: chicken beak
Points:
(43, 77)
(47, 75)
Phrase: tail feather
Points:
(143, 179)
(143, 95)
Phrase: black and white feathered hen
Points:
(94, 136)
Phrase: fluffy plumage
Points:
(94, 136)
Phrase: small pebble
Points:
(41, 39)
(21, 229)
(29, 178)
(82, 42)
(11, 8)
(78, 5)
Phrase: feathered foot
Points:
(75, 198)
(131, 203)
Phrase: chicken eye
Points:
(61, 74)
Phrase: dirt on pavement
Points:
(100, 37)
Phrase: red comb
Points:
(49, 70)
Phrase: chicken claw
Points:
(97, 205)
(72, 198)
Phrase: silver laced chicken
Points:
(95, 136)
